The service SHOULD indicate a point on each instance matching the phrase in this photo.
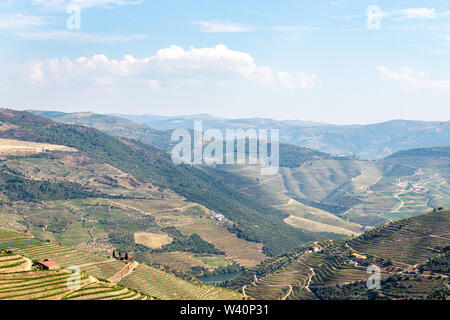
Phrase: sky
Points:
(340, 61)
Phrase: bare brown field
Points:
(315, 226)
(152, 240)
(74, 167)
(177, 260)
(244, 252)
(16, 147)
(316, 220)
(156, 206)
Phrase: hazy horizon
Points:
(213, 115)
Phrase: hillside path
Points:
(310, 279)
(129, 268)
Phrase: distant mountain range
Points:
(318, 190)
(290, 155)
(372, 141)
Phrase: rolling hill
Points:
(101, 277)
(95, 193)
(372, 141)
(111, 125)
(290, 155)
(364, 192)
(412, 255)
(319, 191)
(146, 164)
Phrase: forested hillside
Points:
(253, 221)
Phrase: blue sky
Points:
(326, 61)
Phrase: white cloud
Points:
(5, 3)
(418, 13)
(169, 67)
(297, 80)
(292, 28)
(35, 73)
(223, 26)
(16, 21)
(31, 27)
(411, 78)
(347, 17)
(65, 35)
(228, 26)
(61, 5)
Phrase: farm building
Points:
(359, 257)
(218, 216)
(412, 271)
(48, 265)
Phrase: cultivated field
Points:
(408, 241)
(244, 252)
(53, 285)
(19, 280)
(17, 147)
(166, 286)
(152, 240)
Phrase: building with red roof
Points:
(48, 264)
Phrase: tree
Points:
(373, 294)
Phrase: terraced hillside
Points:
(10, 262)
(346, 195)
(123, 209)
(282, 192)
(408, 241)
(290, 157)
(412, 255)
(52, 285)
(320, 192)
(168, 287)
(148, 165)
(101, 278)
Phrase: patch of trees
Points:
(441, 293)
(334, 209)
(395, 286)
(124, 241)
(17, 187)
(435, 152)
(294, 156)
(194, 243)
(439, 264)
